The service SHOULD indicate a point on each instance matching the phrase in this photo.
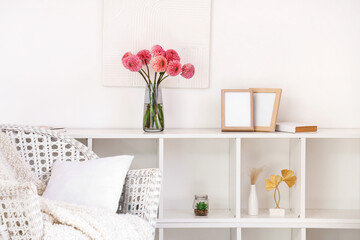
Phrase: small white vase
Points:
(253, 204)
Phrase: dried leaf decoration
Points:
(288, 177)
(273, 182)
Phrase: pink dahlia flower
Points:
(188, 70)
(157, 50)
(145, 56)
(159, 64)
(124, 58)
(174, 68)
(133, 63)
(172, 55)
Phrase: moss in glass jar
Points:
(201, 209)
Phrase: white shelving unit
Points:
(323, 204)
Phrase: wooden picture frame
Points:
(237, 110)
(266, 107)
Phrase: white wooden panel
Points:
(264, 234)
(235, 234)
(332, 174)
(296, 234)
(234, 177)
(295, 165)
(145, 151)
(197, 234)
(161, 167)
(332, 234)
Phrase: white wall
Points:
(50, 64)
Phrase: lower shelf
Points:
(315, 218)
(264, 213)
(333, 214)
(216, 218)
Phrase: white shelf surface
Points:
(315, 218)
(264, 214)
(353, 214)
(204, 133)
(187, 219)
(215, 215)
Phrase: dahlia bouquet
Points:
(155, 66)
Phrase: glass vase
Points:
(153, 120)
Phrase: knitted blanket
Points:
(60, 220)
(67, 221)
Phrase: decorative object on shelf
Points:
(237, 110)
(266, 107)
(201, 205)
(273, 183)
(133, 24)
(253, 204)
(163, 64)
(295, 127)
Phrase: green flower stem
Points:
(162, 80)
(147, 67)
(161, 115)
(147, 116)
(147, 75)
(153, 112)
(143, 76)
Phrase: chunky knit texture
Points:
(29, 216)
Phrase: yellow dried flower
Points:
(273, 182)
(288, 178)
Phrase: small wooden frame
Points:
(266, 107)
(237, 110)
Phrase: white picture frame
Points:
(266, 108)
(237, 110)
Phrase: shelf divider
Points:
(303, 178)
(238, 178)
(161, 167)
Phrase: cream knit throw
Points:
(67, 221)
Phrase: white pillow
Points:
(94, 183)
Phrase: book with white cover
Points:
(295, 127)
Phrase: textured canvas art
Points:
(133, 25)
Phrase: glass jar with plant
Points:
(201, 205)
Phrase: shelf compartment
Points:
(271, 233)
(201, 234)
(199, 166)
(145, 151)
(274, 155)
(332, 176)
(332, 234)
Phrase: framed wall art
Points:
(173, 24)
(266, 107)
(237, 110)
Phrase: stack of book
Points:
(295, 127)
